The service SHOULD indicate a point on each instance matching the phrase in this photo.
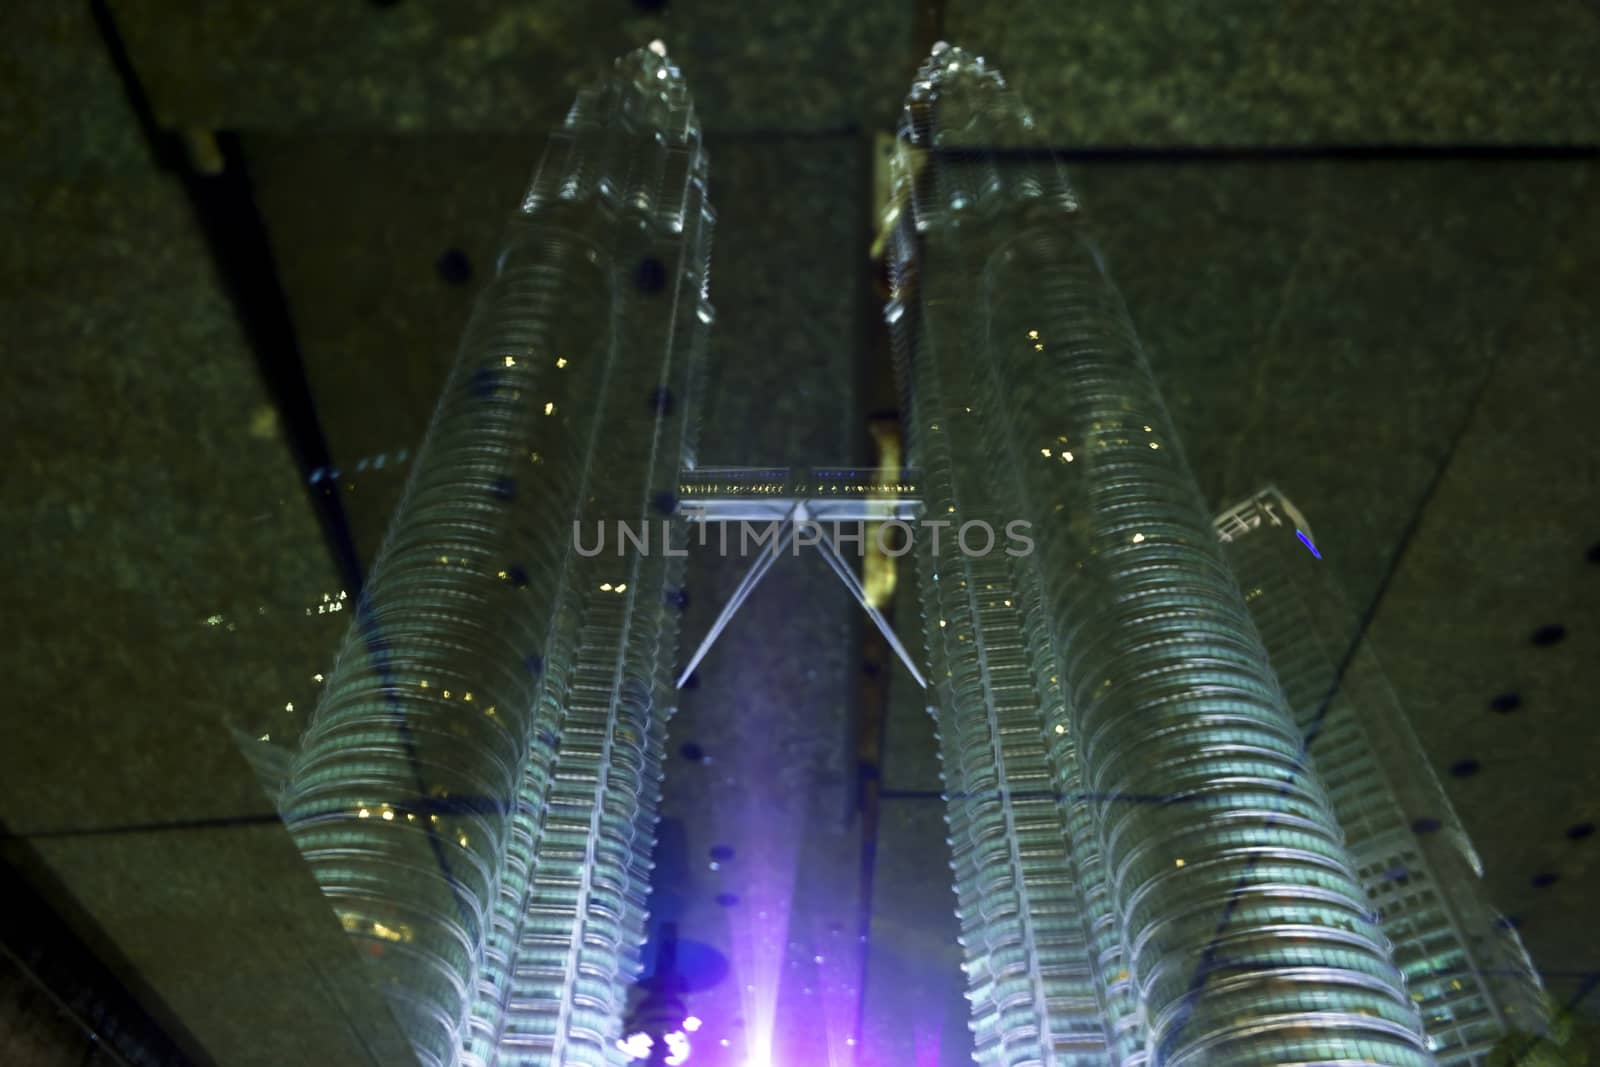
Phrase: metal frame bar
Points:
(791, 513)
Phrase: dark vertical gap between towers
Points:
(872, 697)
(877, 397)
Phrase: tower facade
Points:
(477, 788)
(1146, 869)
(1466, 968)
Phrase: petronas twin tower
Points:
(477, 790)
(1147, 868)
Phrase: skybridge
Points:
(801, 506)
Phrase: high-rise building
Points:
(1149, 869)
(1465, 966)
(1146, 869)
(476, 791)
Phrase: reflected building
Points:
(476, 791)
(1465, 966)
(1146, 870)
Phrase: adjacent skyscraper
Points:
(476, 791)
(1466, 968)
(1146, 870)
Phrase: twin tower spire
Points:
(1147, 869)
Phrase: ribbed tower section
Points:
(1028, 874)
(1467, 969)
(1203, 844)
(477, 789)
(1025, 934)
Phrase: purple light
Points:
(637, 1046)
(678, 1043)
(1304, 540)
